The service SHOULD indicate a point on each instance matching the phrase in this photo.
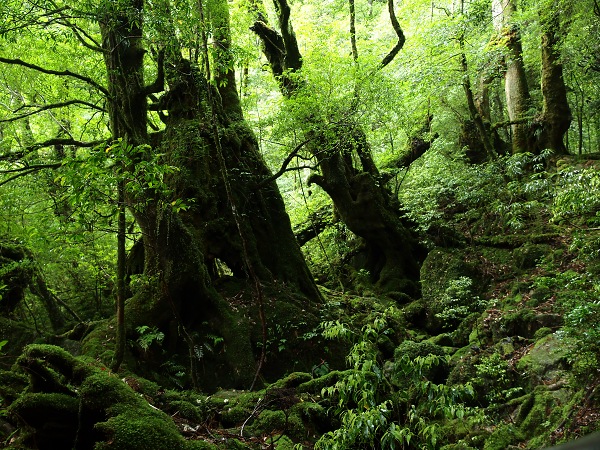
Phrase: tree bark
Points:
(518, 100)
(367, 208)
(556, 113)
(229, 218)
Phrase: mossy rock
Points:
(12, 384)
(99, 343)
(295, 426)
(269, 421)
(442, 340)
(233, 416)
(439, 270)
(133, 430)
(51, 419)
(234, 444)
(284, 443)
(544, 411)
(315, 386)
(186, 410)
(412, 350)
(503, 437)
(547, 360)
(314, 417)
(73, 403)
(523, 322)
(416, 313)
(186, 404)
(542, 333)
(461, 336)
(528, 255)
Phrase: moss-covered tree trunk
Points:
(556, 114)
(231, 219)
(518, 100)
(362, 201)
(546, 130)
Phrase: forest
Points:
(299, 224)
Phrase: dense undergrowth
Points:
(502, 350)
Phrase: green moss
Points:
(36, 408)
(309, 411)
(441, 340)
(462, 335)
(99, 343)
(269, 421)
(459, 446)
(55, 356)
(137, 430)
(295, 426)
(413, 349)
(186, 410)
(200, 445)
(234, 416)
(187, 404)
(544, 410)
(528, 255)
(315, 386)
(416, 312)
(12, 385)
(284, 443)
(537, 415)
(503, 437)
(546, 360)
(234, 444)
(48, 418)
(102, 391)
(294, 379)
(541, 333)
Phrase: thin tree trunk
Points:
(476, 116)
(121, 260)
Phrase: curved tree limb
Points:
(52, 106)
(31, 167)
(159, 84)
(82, 36)
(15, 156)
(401, 38)
(284, 165)
(63, 141)
(29, 170)
(63, 73)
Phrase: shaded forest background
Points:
(342, 224)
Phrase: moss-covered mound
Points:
(73, 403)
